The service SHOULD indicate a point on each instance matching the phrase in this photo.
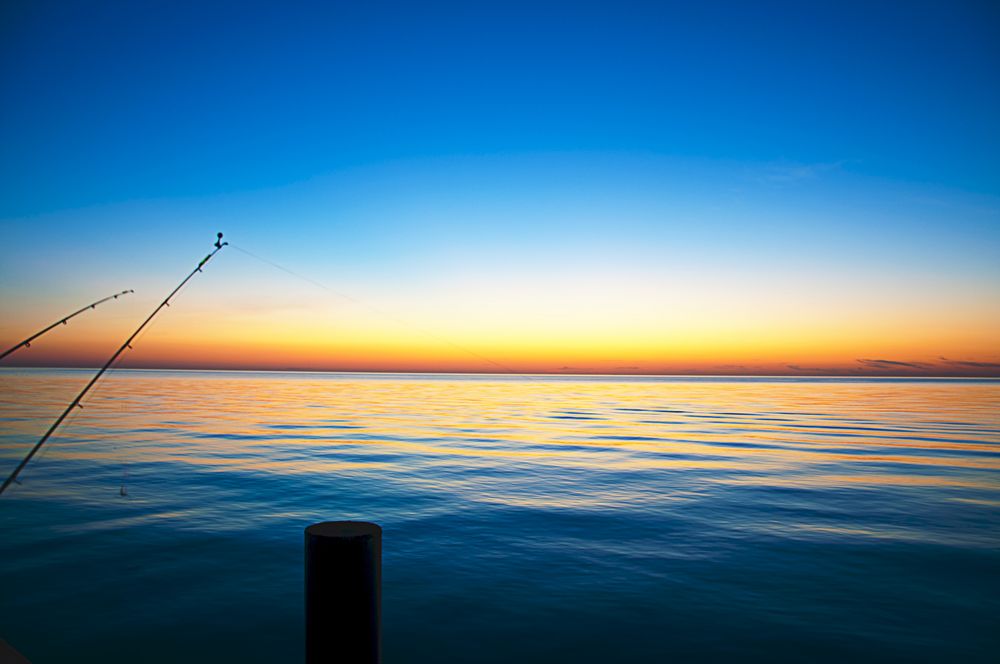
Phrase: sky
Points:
(626, 187)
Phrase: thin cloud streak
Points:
(894, 364)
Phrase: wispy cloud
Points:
(791, 173)
(820, 370)
(894, 364)
(970, 363)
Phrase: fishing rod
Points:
(219, 244)
(27, 342)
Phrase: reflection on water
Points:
(526, 519)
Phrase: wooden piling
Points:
(343, 592)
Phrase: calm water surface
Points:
(525, 519)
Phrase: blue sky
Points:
(843, 154)
(122, 100)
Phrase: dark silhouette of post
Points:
(343, 592)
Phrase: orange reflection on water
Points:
(448, 431)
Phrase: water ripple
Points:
(696, 519)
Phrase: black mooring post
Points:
(343, 593)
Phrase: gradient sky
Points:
(716, 187)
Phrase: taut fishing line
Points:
(384, 314)
(70, 412)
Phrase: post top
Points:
(343, 529)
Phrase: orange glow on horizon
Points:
(629, 328)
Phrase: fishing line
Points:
(62, 321)
(121, 489)
(40, 461)
(219, 244)
(384, 314)
(118, 449)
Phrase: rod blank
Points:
(62, 321)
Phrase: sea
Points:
(576, 519)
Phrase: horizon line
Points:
(516, 373)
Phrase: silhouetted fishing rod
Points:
(219, 244)
(62, 321)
